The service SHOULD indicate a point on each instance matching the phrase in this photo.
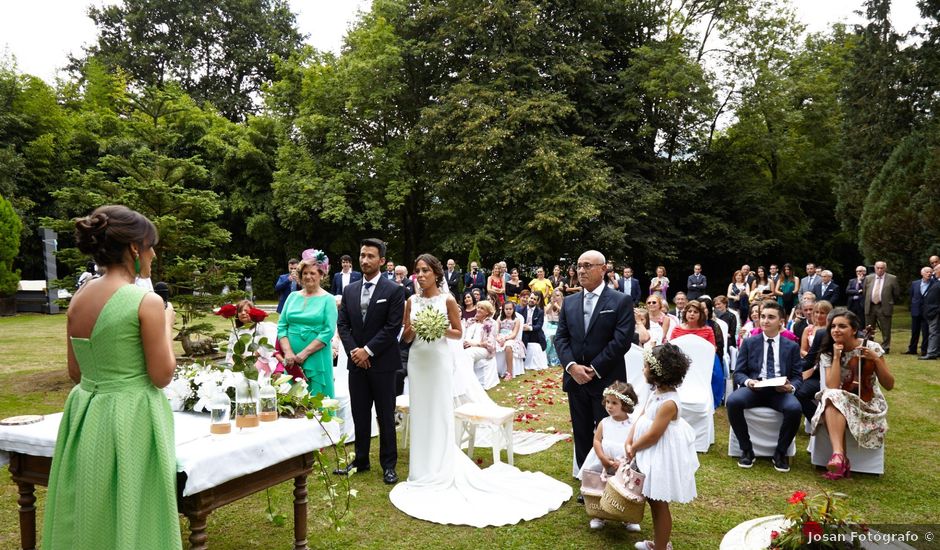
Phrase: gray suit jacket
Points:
(890, 291)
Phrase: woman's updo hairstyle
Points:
(106, 233)
(436, 268)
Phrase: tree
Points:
(878, 113)
(219, 51)
(10, 227)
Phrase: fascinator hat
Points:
(317, 258)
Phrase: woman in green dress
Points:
(307, 323)
(113, 478)
(787, 288)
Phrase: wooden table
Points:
(27, 471)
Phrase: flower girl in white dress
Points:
(610, 438)
(663, 443)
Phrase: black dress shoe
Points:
(781, 462)
(390, 477)
(580, 499)
(927, 357)
(909, 352)
(746, 460)
(349, 470)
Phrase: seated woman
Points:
(694, 322)
(820, 313)
(644, 338)
(248, 320)
(849, 401)
(479, 342)
(753, 320)
(659, 319)
(552, 311)
(469, 309)
(510, 324)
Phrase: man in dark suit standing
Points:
(761, 358)
(932, 314)
(826, 289)
(630, 284)
(532, 320)
(389, 272)
(370, 318)
(287, 283)
(452, 276)
(919, 325)
(855, 294)
(595, 328)
(345, 276)
(696, 283)
(808, 283)
(881, 292)
(474, 279)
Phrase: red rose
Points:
(228, 311)
(257, 315)
(796, 497)
(774, 535)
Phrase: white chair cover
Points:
(698, 403)
(341, 393)
(535, 358)
(868, 461)
(763, 426)
(723, 345)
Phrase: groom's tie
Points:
(364, 299)
(588, 308)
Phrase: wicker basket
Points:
(623, 496)
(592, 488)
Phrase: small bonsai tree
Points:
(10, 228)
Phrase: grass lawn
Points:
(33, 380)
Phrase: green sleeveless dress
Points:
(113, 478)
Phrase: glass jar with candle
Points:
(268, 400)
(246, 402)
(220, 411)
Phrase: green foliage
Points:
(10, 227)
(218, 51)
(475, 256)
(898, 223)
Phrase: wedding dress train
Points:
(444, 485)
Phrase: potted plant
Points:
(10, 228)
(820, 521)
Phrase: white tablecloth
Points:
(208, 460)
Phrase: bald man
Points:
(595, 329)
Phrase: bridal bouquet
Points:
(430, 324)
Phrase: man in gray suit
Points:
(881, 291)
(808, 283)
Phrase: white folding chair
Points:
(867, 461)
(698, 403)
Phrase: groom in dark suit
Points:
(764, 356)
(595, 328)
(370, 318)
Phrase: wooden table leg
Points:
(198, 538)
(300, 512)
(27, 502)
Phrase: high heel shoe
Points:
(838, 467)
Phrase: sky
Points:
(41, 33)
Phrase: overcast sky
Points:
(41, 33)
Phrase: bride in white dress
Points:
(444, 485)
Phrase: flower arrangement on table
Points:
(430, 324)
(246, 347)
(820, 521)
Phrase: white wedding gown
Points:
(444, 485)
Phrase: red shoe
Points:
(838, 466)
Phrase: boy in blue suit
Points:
(761, 357)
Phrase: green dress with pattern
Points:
(113, 478)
